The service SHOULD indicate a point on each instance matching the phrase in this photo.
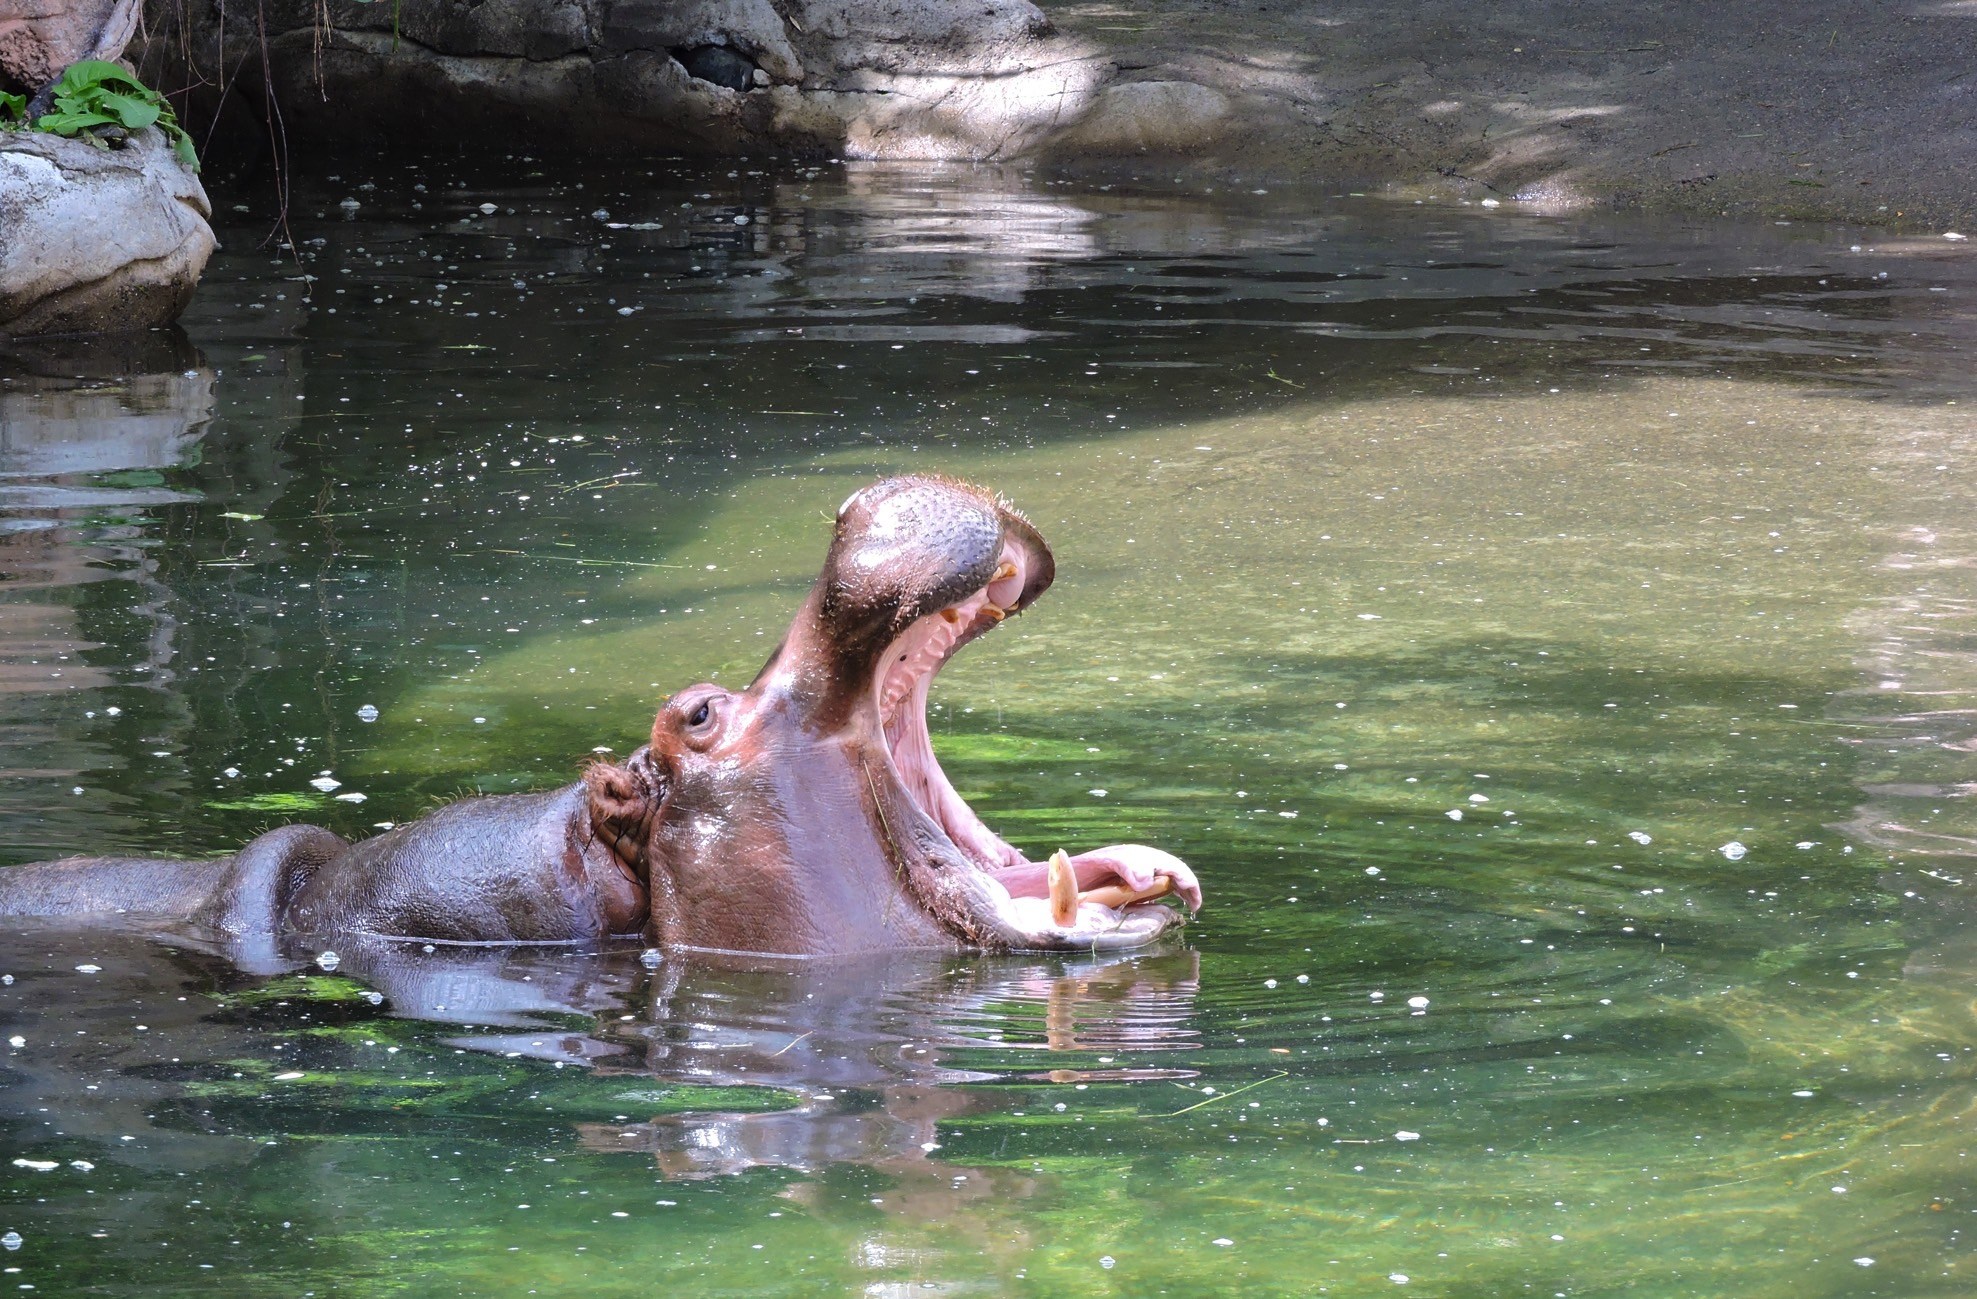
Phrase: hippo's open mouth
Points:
(1024, 897)
(905, 676)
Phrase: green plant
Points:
(96, 93)
(13, 111)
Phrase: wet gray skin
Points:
(1695, 954)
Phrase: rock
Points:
(38, 38)
(95, 240)
(912, 79)
(1171, 117)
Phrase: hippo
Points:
(803, 816)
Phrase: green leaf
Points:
(135, 114)
(72, 123)
(89, 73)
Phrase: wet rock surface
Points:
(97, 240)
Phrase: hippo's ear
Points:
(624, 801)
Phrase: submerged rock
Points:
(96, 240)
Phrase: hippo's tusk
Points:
(1122, 895)
(1007, 570)
(1063, 890)
(995, 614)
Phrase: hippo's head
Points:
(807, 814)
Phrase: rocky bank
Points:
(1850, 109)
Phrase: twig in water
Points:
(1226, 1095)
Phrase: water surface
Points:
(1551, 641)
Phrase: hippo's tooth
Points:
(1006, 570)
(995, 614)
(1122, 895)
(950, 615)
(1063, 890)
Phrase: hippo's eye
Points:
(700, 715)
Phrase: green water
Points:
(1644, 548)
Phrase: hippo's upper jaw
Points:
(808, 814)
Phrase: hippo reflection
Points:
(863, 1060)
(805, 815)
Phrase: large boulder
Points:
(97, 240)
(927, 79)
(38, 38)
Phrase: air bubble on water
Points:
(651, 958)
(326, 783)
(1372, 870)
(1418, 1003)
(1733, 850)
(1105, 1262)
(1804, 1094)
(328, 960)
(1479, 798)
(12, 1240)
(1304, 978)
(1398, 1278)
(1454, 814)
(368, 713)
(1405, 1135)
(1223, 1241)
(1640, 837)
(1376, 995)
(89, 969)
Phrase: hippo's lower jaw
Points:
(983, 889)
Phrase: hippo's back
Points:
(81, 886)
